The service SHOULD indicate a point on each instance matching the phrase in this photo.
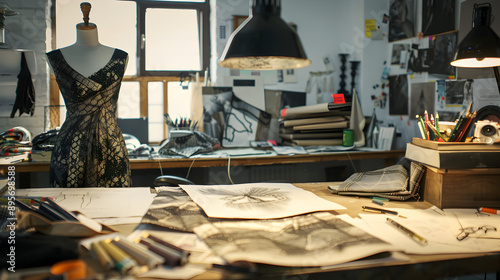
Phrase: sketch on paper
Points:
(172, 208)
(316, 239)
(242, 123)
(257, 200)
(266, 199)
(98, 202)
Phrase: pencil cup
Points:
(179, 131)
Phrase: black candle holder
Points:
(343, 60)
(354, 68)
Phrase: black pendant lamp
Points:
(481, 47)
(264, 41)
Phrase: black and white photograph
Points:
(422, 98)
(398, 95)
(420, 60)
(455, 93)
(438, 16)
(400, 55)
(401, 19)
(444, 51)
(216, 105)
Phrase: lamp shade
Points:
(264, 41)
(481, 47)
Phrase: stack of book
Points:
(454, 155)
(311, 125)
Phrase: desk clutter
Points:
(459, 174)
(259, 229)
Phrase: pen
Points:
(413, 235)
(489, 210)
(380, 210)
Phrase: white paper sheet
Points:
(470, 218)
(257, 200)
(98, 202)
(434, 227)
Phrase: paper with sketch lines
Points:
(316, 239)
(257, 200)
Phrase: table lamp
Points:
(264, 41)
(481, 47)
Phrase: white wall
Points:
(325, 27)
(29, 30)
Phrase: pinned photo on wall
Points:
(422, 97)
(448, 116)
(402, 18)
(398, 95)
(289, 76)
(444, 47)
(438, 16)
(441, 97)
(420, 60)
(455, 93)
(399, 55)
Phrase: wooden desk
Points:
(417, 266)
(390, 157)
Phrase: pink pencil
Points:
(426, 115)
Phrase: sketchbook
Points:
(446, 159)
(316, 239)
(257, 200)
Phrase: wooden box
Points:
(462, 188)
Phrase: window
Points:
(114, 29)
(174, 37)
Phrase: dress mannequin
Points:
(90, 150)
(87, 55)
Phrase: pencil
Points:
(433, 134)
(101, 255)
(437, 123)
(435, 131)
(423, 126)
(420, 127)
(426, 115)
(413, 235)
(123, 261)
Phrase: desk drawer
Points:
(462, 188)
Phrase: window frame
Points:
(203, 11)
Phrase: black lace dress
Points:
(90, 150)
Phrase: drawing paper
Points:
(98, 202)
(257, 200)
